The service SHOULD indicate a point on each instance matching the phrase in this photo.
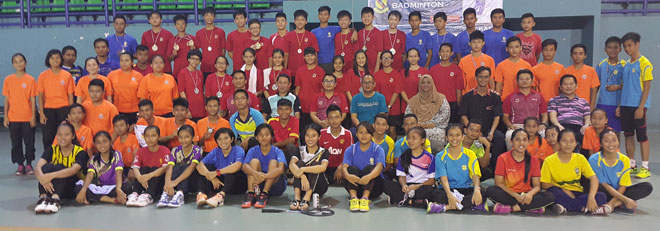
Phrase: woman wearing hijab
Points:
(432, 111)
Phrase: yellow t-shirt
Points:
(566, 175)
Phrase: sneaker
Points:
(20, 171)
(435, 208)
(602, 210)
(29, 170)
(131, 200)
(53, 206)
(558, 209)
(249, 200)
(634, 171)
(502, 209)
(201, 200)
(41, 205)
(216, 200)
(643, 173)
(483, 207)
(364, 205)
(177, 200)
(261, 200)
(143, 200)
(536, 211)
(164, 200)
(355, 205)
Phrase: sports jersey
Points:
(421, 168)
(460, 170)
(566, 175)
(218, 159)
(354, 156)
(264, 159)
(388, 148)
(514, 172)
(178, 156)
(244, 129)
(336, 145)
(609, 75)
(634, 75)
(103, 171)
(616, 175)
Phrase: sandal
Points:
(304, 205)
(295, 205)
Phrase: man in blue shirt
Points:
(496, 37)
(325, 36)
(106, 65)
(442, 36)
(463, 38)
(367, 104)
(418, 39)
(120, 42)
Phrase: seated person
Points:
(308, 169)
(264, 166)
(362, 168)
(286, 129)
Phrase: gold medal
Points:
(176, 47)
(154, 47)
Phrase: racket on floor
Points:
(317, 212)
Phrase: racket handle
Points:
(272, 210)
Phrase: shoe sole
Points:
(245, 206)
(201, 203)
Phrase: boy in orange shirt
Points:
(20, 91)
(125, 142)
(99, 111)
(591, 139)
(180, 111)
(210, 124)
(548, 72)
(84, 134)
(474, 60)
(587, 78)
(507, 70)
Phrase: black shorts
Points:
(632, 126)
(395, 120)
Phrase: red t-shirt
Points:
(284, 132)
(215, 82)
(398, 42)
(146, 158)
(411, 82)
(214, 39)
(181, 59)
(343, 83)
(388, 84)
(298, 42)
(279, 42)
(335, 145)
(447, 80)
(343, 45)
(235, 44)
(309, 82)
(272, 77)
(530, 47)
(514, 172)
(187, 82)
(353, 82)
(161, 39)
(323, 102)
(144, 72)
(373, 40)
(263, 53)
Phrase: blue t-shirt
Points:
(401, 146)
(458, 171)
(117, 44)
(219, 160)
(634, 75)
(436, 41)
(245, 129)
(463, 46)
(367, 108)
(107, 67)
(274, 154)
(326, 40)
(609, 75)
(354, 156)
(496, 44)
(615, 176)
(421, 42)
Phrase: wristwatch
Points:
(218, 172)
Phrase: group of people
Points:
(328, 106)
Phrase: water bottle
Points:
(315, 200)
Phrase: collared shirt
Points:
(569, 111)
(483, 108)
(323, 103)
(634, 75)
(520, 106)
(609, 75)
(273, 99)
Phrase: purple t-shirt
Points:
(106, 171)
(179, 157)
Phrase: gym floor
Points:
(19, 195)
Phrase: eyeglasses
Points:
(387, 58)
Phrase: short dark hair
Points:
(324, 8)
(253, 21)
(238, 12)
(474, 121)
(237, 72)
(382, 116)
(209, 10)
(141, 48)
(395, 13)
(613, 39)
(333, 75)
(180, 17)
(524, 71)
(446, 44)
(513, 39)
(280, 15)
(567, 76)
(527, 15)
(344, 13)
(441, 15)
(96, 82)
(579, 45)
(406, 116)
(152, 127)
(146, 102)
(284, 103)
(50, 54)
(283, 76)
(549, 42)
(469, 11)
(262, 127)
(298, 13)
(194, 52)
(187, 128)
(482, 69)
(119, 17)
(212, 98)
(98, 40)
(241, 91)
(635, 37)
(69, 48)
(227, 131)
(477, 35)
(367, 10)
(120, 117)
(74, 106)
(126, 53)
(366, 125)
(160, 15)
(331, 108)
(183, 102)
(415, 13)
(309, 50)
(497, 11)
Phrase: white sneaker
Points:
(143, 200)
(164, 200)
(53, 206)
(131, 199)
(41, 205)
(177, 200)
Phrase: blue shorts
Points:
(612, 121)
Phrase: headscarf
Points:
(426, 104)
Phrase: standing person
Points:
(432, 111)
(522, 104)
(308, 168)
(389, 82)
(106, 65)
(99, 111)
(413, 73)
(442, 36)
(506, 73)
(610, 74)
(55, 90)
(394, 39)
(367, 104)
(298, 41)
(125, 83)
(531, 42)
(264, 166)
(157, 39)
(474, 60)
(263, 57)
(637, 77)
(235, 39)
(20, 91)
(190, 85)
(255, 76)
(448, 79)
(159, 87)
(92, 67)
(344, 46)
(370, 39)
(343, 80)
(325, 36)
(568, 110)
(273, 73)
(336, 139)
(278, 38)
(359, 70)
(548, 72)
(104, 179)
(308, 83)
(463, 39)
(207, 126)
(69, 56)
(142, 61)
(496, 37)
(212, 42)
(219, 83)
(180, 45)
(120, 42)
(362, 167)
(419, 39)
(324, 99)
(585, 75)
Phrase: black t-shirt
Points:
(483, 108)
(313, 159)
(54, 156)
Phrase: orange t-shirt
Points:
(99, 117)
(591, 140)
(539, 151)
(469, 65)
(127, 149)
(56, 88)
(160, 90)
(172, 128)
(587, 78)
(203, 126)
(125, 88)
(85, 137)
(547, 79)
(19, 92)
(506, 73)
(82, 89)
(159, 122)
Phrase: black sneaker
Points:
(249, 199)
(261, 200)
